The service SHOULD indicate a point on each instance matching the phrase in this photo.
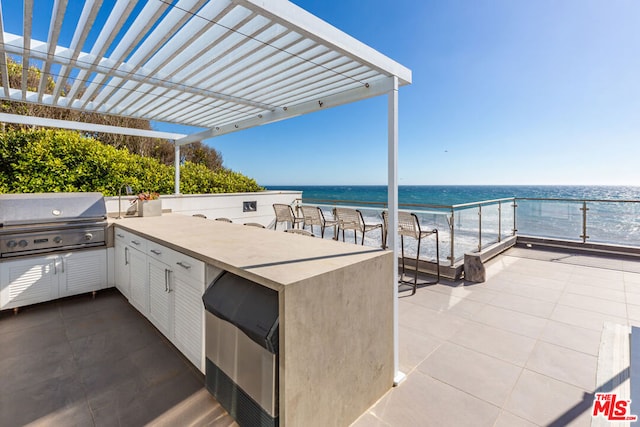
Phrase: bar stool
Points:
(351, 219)
(409, 226)
(284, 213)
(313, 215)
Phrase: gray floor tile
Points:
(545, 401)
(114, 343)
(30, 316)
(80, 305)
(534, 307)
(512, 321)
(19, 342)
(584, 318)
(56, 401)
(504, 345)
(414, 347)
(507, 419)
(597, 292)
(573, 337)
(369, 420)
(595, 304)
(424, 401)
(563, 364)
(424, 320)
(482, 376)
(450, 304)
(28, 369)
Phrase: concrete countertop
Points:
(271, 258)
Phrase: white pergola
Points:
(222, 65)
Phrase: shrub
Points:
(57, 160)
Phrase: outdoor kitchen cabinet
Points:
(39, 279)
(166, 286)
(131, 269)
(176, 285)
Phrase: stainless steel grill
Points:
(37, 223)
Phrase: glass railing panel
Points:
(550, 219)
(490, 225)
(465, 231)
(506, 224)
(613, 223)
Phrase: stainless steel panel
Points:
(252, 367)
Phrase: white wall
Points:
(228, 205)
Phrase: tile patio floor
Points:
(518, 350)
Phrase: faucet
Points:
(129, 191)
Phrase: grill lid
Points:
(38, 208)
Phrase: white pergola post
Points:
(392, 188)
(176, 183)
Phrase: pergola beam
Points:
(380, 87)
(87, 127)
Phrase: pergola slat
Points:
(201, 63)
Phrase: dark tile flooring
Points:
(83, 361)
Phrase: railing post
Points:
(499, 222)
(479, 228)
(584, 210)
(515, 209)
(452, 257)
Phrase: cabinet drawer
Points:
(186, 267)
(130, 239)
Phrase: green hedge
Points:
(58, 160)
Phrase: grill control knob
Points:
(57, 239)
(12, 243)
(88, 236)
(22, 243)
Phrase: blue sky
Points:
(504, 92)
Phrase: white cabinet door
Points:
(28, 281)
(188, 318)
(121, 268)
(82, 272)
(138, 280)
(160, 301)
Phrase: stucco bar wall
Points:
(336, 310)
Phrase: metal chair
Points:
(409, 226)
(312, 215)
(299, 231)
(351, 219)
(284, 213)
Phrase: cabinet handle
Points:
(120, 235)
(183, 265)
(135, 242)
(155, 251)
(167, 280)
(126, 256)
(55, 266)
(62, 264)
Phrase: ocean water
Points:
(458, 194)
(470, 228)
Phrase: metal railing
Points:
(472, 227)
